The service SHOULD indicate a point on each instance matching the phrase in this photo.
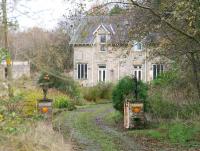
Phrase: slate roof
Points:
(116, 25)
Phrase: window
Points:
(103, 38)
(138, 72)
(137, 46)
(102, 73)
(82, 71)
(102, 47)
(157, 69)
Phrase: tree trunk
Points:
(196, 71)
(8, 60)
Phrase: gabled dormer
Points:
(103, 36)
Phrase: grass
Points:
(174, 133)
(88, 128)
(39, 137)
(85, 125)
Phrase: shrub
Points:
(105, 90)
(14, 104)
(161, 108)
(62, 83)
(91, 94)
(124, 89)
(61, 102)
(100, 91)
(30, 101)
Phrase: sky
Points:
(41, 13)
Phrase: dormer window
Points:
(103, 38)
(102, 47)
(137, 46)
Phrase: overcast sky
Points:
(41, 13)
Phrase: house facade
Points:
(103, 53)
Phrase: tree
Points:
(171, 28)
(6, 51)
(45, 50)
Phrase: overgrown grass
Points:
(176, 132)
(38, 137)
(98, 93)
(165, 109)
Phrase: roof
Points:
(115, 25)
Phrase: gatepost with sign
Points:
(134, 111)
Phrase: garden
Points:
(92, 118)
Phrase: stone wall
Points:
(18, 69)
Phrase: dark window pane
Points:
(139, 75)
(104, 75)
(79, 71)
(103, 38)
(99, 75)
(136, 74)
(154, 71)
(82, 68)
(85, 71)
(102, 66)
(158, 69)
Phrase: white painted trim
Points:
(102, 70)
(100, 27)
(112, 29)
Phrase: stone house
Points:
(19, 69)
(104, 53)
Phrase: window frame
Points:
(136, 70)
(161, 70)
(135, 46)
(102, 73)
(82, 71)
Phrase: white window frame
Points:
(103, 43)
(160, 71)
(102, 70)
(138, 69)
(85, 75)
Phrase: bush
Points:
(124, 89)
(161, 108)
(91, 94)
(30, 101)
(100, 91)
(61, 102)
(105, 90)
(62, 83)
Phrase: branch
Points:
(166, 22)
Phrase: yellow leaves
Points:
(8, 61)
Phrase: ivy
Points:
(4, 54)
